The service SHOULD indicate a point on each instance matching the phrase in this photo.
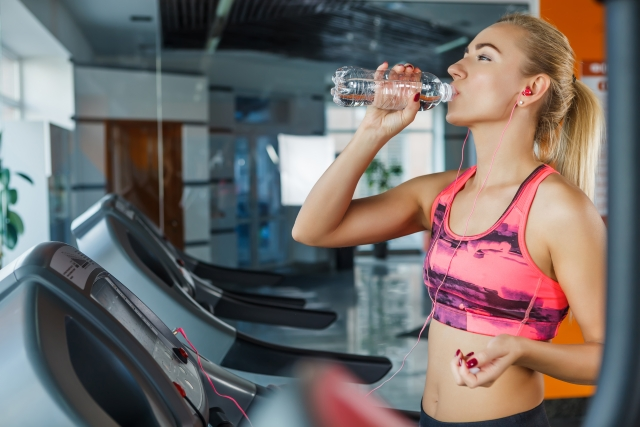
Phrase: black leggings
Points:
(535, 417)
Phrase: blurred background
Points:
(192, 110)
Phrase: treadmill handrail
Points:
(274, 359)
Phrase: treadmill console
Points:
(106, 292)
(74, 332)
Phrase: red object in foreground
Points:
(180, 389)
(338, 404)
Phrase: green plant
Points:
(11, 225)
(379, 175)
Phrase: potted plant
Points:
(11, 225)
(378, 175)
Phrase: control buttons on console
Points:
(181, 353)
(180, 389)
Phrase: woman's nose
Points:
(456, 71)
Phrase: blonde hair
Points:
(571, 122)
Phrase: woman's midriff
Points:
(517, 390)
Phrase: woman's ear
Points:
(539, 86)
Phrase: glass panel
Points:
(244, 245)
(252, 110)
(242, 172)
(268, 176)
(271, 244)
(59, 185)
(223, 205)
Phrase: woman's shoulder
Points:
(560, 203)
(437, 182)
(427, 188)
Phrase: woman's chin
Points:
(455, 119)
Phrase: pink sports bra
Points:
(493, 286)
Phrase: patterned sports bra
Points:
(493, 286)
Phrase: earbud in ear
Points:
(527, 91)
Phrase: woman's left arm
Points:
(576, 238)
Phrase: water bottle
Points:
(387, 89)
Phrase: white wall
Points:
(24, 151)
(54, 16)
(48, 90)
(103, 93)
(24, 34)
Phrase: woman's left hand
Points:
(482, 369)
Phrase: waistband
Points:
(536, 417)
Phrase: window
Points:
(10, 91)
(413, 149)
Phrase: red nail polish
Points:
(459, 362)
(458, 352)
(469, 355)
(472, 363)
(409, 66)
(415, 99)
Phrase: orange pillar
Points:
(582, 21)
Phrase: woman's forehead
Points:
(503, 36)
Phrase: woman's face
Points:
(488, 78)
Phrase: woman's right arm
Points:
(329, 216)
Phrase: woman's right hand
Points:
(388, 123)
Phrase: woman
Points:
(514, 243)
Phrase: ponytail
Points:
(571, 122)
(580, 138)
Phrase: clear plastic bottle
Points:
(387, 89)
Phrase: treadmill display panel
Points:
(109, 296)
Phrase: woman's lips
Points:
(455, 93)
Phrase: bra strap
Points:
(530, 188)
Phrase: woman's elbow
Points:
(300, 235)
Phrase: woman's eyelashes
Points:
(483, 58)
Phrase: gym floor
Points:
(381, 306)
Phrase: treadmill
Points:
(82, 349)
(135, 258)
(220, 277)
(153, 251)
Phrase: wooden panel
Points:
(133, 172)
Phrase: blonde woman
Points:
(516, 240)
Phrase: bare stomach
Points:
(517, 390)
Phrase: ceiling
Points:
(346, 32)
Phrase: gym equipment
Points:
(169, 290)
(160, 257)
(82, 349)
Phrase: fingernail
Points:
(415, 99)
(458, 352)
(459, 362)
(472, 363)
(408, 66)
(469, 355)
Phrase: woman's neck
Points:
(514, 159)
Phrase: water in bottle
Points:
(387, 89)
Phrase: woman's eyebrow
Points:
(481, 45)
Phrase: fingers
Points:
(455, 364)
(383, 66)
(380, 70)
(412, 108)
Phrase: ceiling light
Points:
(141, 18)
(451, 45)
